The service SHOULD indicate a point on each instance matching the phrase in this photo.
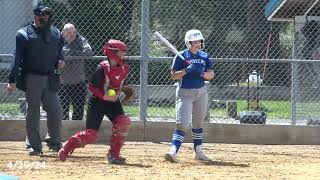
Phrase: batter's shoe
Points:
(171, 157)
(115, 160)
(201, 156)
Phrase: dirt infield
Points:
(146, 161)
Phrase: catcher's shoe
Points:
(201, 156)
(62, 154)
(115, 160)
(171, 157)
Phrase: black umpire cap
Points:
(41, 9)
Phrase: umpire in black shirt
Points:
(35, 70)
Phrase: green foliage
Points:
(158, 49)
(159, 73)
(97, 20)
(231, 29)
(9, 108)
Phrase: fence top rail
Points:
(98, 57)
(74, 57)
(216, 59)
(250, 60)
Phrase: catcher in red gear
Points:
(110, 74)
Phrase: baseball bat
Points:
(169, 45)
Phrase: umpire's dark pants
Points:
(38, 92)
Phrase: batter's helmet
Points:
(193, 35)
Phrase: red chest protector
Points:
(114, 76)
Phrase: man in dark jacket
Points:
(74, 88)
(38, 59)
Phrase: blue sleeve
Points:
(209, 64)
(177, 64)
(61, 43)
(21, 43)
(60, 56)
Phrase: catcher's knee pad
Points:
(121, 125)
(87, 136)
(80, 139)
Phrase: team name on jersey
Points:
(197, 61)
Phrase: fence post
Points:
(294, 94)
(23, 105)
(144, 52)
(232, 108)
(207, 117)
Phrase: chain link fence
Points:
(283, 55)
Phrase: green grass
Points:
(274, 110)
(9, 108)
(152, 112)
(219, 113)
(309, 109)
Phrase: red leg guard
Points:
(80, 139)
(121, 125)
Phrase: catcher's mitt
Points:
(129, 92)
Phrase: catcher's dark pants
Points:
(74, 94)
(97, 108)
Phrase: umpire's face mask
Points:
(44, 21)
(44, 25)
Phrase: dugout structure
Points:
(304, 14)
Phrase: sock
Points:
(197, 135)
(177, 140)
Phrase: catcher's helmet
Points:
(112, 46)
(193, 35)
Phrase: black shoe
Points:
(33, 152)
(54, 146)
